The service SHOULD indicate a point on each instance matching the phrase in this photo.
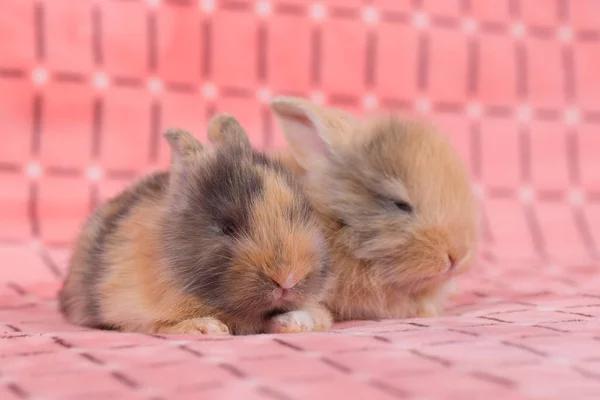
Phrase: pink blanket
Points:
(87, 86)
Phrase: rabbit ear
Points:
(184, 146)
(225, 130)
(186, 152)
(311, 132)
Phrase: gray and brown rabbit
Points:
(225, 242)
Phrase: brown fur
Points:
(388, 263)
(200, 249)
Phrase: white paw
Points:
(291, 322)
(450, 288)
(427, 309)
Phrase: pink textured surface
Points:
(87, 87)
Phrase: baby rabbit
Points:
(395, 202)
(224, 242)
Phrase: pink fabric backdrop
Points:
(87, 86)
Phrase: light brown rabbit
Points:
(395, 201)
(224, 242)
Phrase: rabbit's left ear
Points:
(184, 146)
(311, 132)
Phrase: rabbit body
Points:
(395, 202)
(225, 242)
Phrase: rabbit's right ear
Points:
(225, 130)
(312, 133)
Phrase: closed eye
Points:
(403, 206)
(228, 228)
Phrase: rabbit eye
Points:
(228, 229)
(404, 206)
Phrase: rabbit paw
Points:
(427, 309)
(204, 325)
(451, 288)
(291, 322)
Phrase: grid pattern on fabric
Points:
(527, 347)
(88, 85)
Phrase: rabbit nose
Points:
(287, 282)
(285, 286)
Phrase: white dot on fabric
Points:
(94, 173)
(370, 15)
(517, 30)
(263, 95)
(318, 12)
(565, 34)
(576, 197)
(100, 81)
(263, 8)
(370, 102)
(39, 76)
(34, 170)
(420, 20)
(155, 85)
(423, 105)
(208, 6)
(209, 90)
(35, 244)
(318, 98)
(524, 113)
(479, 191)
(474, 110)
(469, 26)
(572, 116)
(526, 194)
